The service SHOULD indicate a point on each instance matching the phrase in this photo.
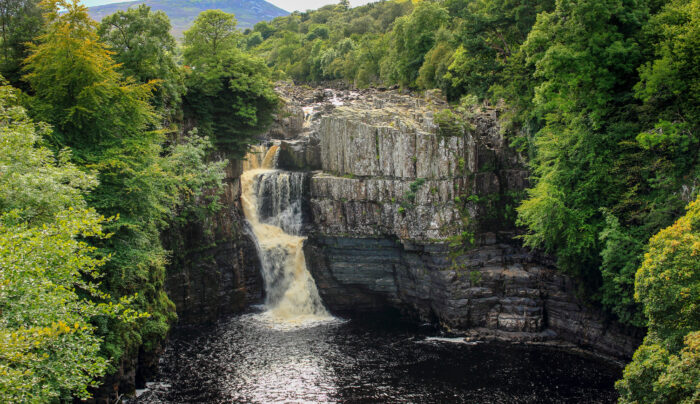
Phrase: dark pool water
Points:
(246, 360)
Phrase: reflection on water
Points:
(247, 359)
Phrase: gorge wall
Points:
(388, 190)
(214, 271)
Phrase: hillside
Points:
(183, 12)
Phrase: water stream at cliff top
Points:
(271, 200)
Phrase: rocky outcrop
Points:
(390, 190)
(496, 290)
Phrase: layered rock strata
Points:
(389, 190)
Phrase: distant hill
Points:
(183, 12)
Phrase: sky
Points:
(289, 5)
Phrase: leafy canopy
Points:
(666, 368)
(109, 124)
(49, 274)
(230, 96)
(145, 50)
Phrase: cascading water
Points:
(271, 202)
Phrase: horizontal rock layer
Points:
(496, 287)
(353, 147)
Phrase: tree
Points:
(666, 368)
(411, 39)
(212, 35)
(110, 126)
(20, 23)
(145, 50)
(77, 87)
(230, 95)
(265, 29)
(490, 33)
(50, 274)
(584, 55)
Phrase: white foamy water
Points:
(271, 202)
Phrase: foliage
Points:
(20, 22)
(666, 368)
(49, 277)
(110, 126)
(229, 93)
(212, 35)
(333, 42)
(410, 40)
(490, 34)
(78, 89)
(620, 260)
(595, 200)
(145, 50)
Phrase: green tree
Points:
(111, 127)
(411, 38)
(145, 50)
(20, 23)
(434, 71)
(212, 36)
(49, 282)
(585, 55)
(666, 368)
(230, 95)
(265, 29)
(490, 33)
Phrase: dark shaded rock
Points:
(498, 287)
(302, 154)
(288, 123)
(214, 269)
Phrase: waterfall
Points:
(271, 202)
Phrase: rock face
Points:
(496, 290)
(389, 190)
(214, 269)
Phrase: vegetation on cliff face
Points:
(94, 165)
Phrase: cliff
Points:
(391, 199)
